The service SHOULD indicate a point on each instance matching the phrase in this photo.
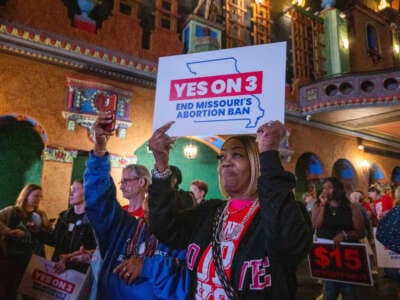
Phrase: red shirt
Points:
(139, 213)
(383, 204)
(366, 205)
(208, 284)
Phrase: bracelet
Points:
(161, 175)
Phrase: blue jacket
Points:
(162, 277)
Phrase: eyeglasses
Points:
(126, 180)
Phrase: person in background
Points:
(396, 194)
(136, 179)
(309, 201)
(392, 273)
(19, 228)
(335, 218)
(199, 189)
(381, 204)
(186, 198)
(365, 202)
(134, 264)
(356, 198)
(388, 190)
(72, 231)
(249, 246)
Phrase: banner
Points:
(229, 91)
(385, 258)
(347, 263)
(40, 282)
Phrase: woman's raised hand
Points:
(160, 143)
(269, 136)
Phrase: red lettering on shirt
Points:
(191, 255)
(208, 283)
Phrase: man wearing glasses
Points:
(130, 262)
(134, 183)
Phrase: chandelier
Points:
(190, 151)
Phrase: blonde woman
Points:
(248, 247)
(19, 228)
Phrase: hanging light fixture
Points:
(190, 150)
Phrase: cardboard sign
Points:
(347, 263)
(385, 257)
(229, 91)
(40, 282)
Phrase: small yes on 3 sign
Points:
(229, 91)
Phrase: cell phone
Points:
(108, 104)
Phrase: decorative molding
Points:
(285, 150)
(84, 100)
(60, 50)
(59, 154)
(377, 119)
(36, 126)
(51, 153)
(118, 161)
(349, 91)
(331, 128)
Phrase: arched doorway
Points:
(345, 172)
(309, 173)
(21, 146)
(375, 174)
(203, 166)
(396, 176)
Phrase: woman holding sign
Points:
(249, 246)
(335, 218)
(20, 225)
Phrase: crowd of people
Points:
(167, 243)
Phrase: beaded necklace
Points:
(140, 249)
(237, 230)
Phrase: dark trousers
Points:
(10, 277)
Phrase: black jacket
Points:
(67, 241)
(280, 231)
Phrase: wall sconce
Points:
(365, 165)
(360, 145)
(300, 3)
(345, 43)
(383, 4)
(284, 148)
(396, 48)
(365, 171)
(190, 151)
